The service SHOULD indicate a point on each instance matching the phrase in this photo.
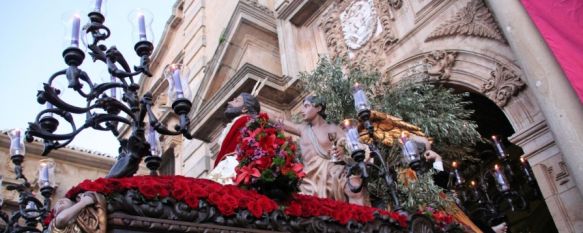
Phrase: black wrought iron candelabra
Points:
(497, 190)
(31, 211)
(103, 111)
(360, 167)
(136, 146)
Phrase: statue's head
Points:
(313, 107)
(245, 103)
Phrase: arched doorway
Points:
(532, 217)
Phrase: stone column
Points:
(554, 94)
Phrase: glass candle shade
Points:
(141, 20)
(46, 174)
(499, 147)
(350, 127)
(360, 100)
(176, 75)
(410, 151)
(153, 139)
(502, 182)
(16, 142)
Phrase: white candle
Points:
(499, 147)
(98, 5)
(142, 26)
(153, 141)
(44, 175)
(501, 179)
(113, 90)
(75, 31)
(177, 84)
(360, 100)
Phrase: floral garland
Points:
(265, 155)
(228, 199)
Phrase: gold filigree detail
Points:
(388, 129)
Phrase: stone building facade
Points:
(470, 45)
(72, 165)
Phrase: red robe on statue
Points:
(229, 144)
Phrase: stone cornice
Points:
(288, 8)
(247, 11)
(209, 117)
(70, 154)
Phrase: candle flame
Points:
(473, 183)
(494, 137)
(522, 160)
(454, 164)
(496, 167)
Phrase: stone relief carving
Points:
(473, 20)
(360, 31)
(440, 63)
(256, 3)
(359, 22)
(502, 85)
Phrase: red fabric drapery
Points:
(560, 23)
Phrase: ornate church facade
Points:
(468, 45)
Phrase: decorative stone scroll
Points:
(503, 84)
(360, 30)
(440, 63)
(474, 20)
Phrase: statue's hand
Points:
(431, 155)
(86, 198)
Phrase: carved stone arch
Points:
(497, 78)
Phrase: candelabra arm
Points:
(114, 56)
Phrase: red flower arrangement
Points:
(267, 159)
(228, 199)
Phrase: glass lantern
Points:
(46, 173)
(355, 148)
(360, 100)
(153, 139)
(410, 152)
(16, 143)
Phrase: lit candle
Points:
(474, 189)
(459, 180)
(499, 147)
(75, 31)
(98, 5)
(142, 26)
(501, 179)
(16, 147)
(177, 83)
(360, 100)
(44, 178)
